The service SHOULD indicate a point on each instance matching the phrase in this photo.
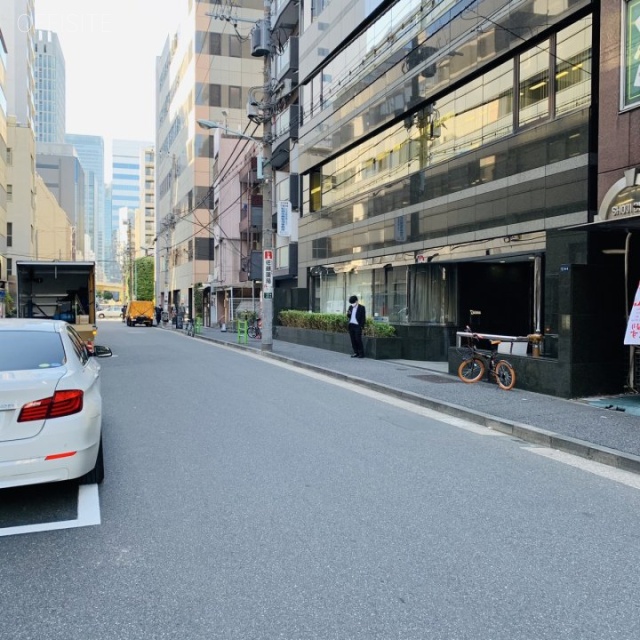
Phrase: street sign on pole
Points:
(267, 270)
(284, 218)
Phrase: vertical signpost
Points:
(267, 270)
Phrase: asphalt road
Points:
(246, 499)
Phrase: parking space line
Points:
(88, 515)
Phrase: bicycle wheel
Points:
(471, 370)
(251, 332)
(505, 375)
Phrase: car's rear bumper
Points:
(24, 462)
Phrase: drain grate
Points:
(434, 378)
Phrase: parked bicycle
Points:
(476, 361)
(255, 329)
(189, 327)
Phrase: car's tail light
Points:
(62, 403)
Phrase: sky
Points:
(110, 50)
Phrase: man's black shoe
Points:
(355, 355)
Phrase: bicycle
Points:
(254, 330)
(189, 328)
(475, 362)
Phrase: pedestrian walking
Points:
(356, 317)
(158, 315)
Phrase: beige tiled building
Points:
(53, 229)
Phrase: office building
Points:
(443, 148)
(90, 152)
(17, 20)
(61, 170)
(5, 227)
(127, 168)
(50, 88)
(205, 71)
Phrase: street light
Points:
(266, 343)
(210, 124)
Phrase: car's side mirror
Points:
(101, 352)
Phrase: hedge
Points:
(332, 322)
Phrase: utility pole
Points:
(268, 258)
(266, 49)
(131, 256)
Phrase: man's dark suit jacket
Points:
(361, 315)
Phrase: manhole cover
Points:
(434, 378)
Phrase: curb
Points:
(522, 431)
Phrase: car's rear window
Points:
(22, 350)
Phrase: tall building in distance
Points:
(90, 151)
(50, 87)
(127, 166)
(146, 219)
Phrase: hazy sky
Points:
(110, 48)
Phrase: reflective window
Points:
(573, 66)
(534, 84)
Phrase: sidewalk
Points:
(580, 427)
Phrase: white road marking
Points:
(597, 468)
(396, 402)
(88, 515)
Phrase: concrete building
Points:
(18, 91)
(17, 22)
(146, 213)
(21, 195)
(50, 99)
(53, 229)
(5, 158)
(205, 71)
(60, 168)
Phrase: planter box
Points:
(375, 348)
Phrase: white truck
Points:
(59, 290)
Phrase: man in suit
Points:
(356, 317)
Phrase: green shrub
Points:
(332, 322)
(249, 316)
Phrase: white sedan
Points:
(50, 404)
(109, 311)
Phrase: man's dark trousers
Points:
(355, 333)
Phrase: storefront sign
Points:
(631, 55)
(632, 336)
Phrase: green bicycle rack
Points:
(243, 327)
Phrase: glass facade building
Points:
(90, 150)
(125, 187)
(441, 143)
